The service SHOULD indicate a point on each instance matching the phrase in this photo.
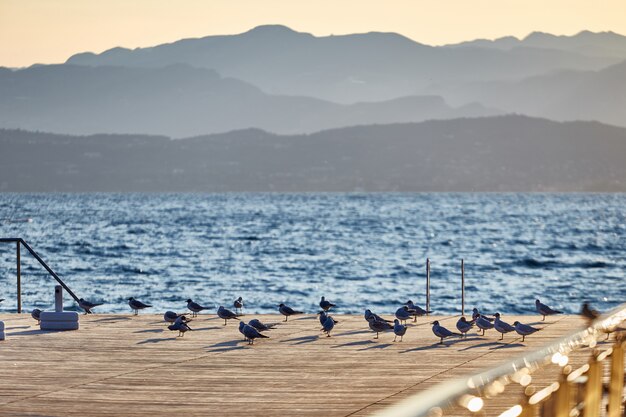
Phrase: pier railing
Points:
(19, 243)
(572, 393)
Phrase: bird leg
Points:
(544, 318)
(394, 338)
(401, 337)
(501, 336)
(523, 337)
(376, 335)
(285, 318)
(224, 322)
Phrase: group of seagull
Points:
(483, 322)
(254, 328)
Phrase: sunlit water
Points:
(359, 250)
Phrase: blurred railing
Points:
(572, 393)
(20, 242)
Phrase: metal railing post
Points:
(427, 286)
(462, 287)
(19, 279)
(616, 385)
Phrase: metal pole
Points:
(19, 280)
(462, 287)
(427, 286)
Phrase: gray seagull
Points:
(325, 304)
(256, 323)
(442, 333)
(524, 329)
(483, 323)
(36, 315)
(328, 325)
(137, 305)
(251, 333)
(238, 304)
(86, 305)
(501, 326)
(398, 329)
(464, 326)
(226, 314)
(544, 310)
(194, 307)
(287, 311)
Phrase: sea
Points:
(359, 250)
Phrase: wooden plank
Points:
(126, 365)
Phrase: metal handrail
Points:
(461, 390)
(19, 241)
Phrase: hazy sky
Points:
(48, 31)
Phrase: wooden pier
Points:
(134, 366)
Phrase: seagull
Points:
(403, 314)
(238, 304)
(544, 310)
(180, 325)
(35, 314)
(137, 305)
(256, 323)
(251, 333)
(328, 325)
(524, 329)
(225, 314)
(483, 323)
(501, 326)
(241, 326)
(441, 332)
(86, 305)
(170, 316)
(476, 314)
(464, 326)
(398, 329)
(326, 305)
(417, 310)
(324, 316)
(369, 313)
(378, 326)
(589, 313)
(287, 311)
(194, 307)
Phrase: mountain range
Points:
(287, 82)
(503, 153)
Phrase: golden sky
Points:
(49, 31)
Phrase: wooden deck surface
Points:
(132, 365)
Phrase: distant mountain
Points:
(179, 100)
(607, 44)
(565, 95)
(362, 67)
(508, 153)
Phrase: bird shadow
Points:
(352, 332)
(206, 328)
(149, 331)
(227, 346)
(32, 332)
(111, 319)
(436, 345)
(506, 346)
(304, 318)
(376, 346)
(16, 327)
(302, 340)
(480, 345)
(156, 340)
(356, 343)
